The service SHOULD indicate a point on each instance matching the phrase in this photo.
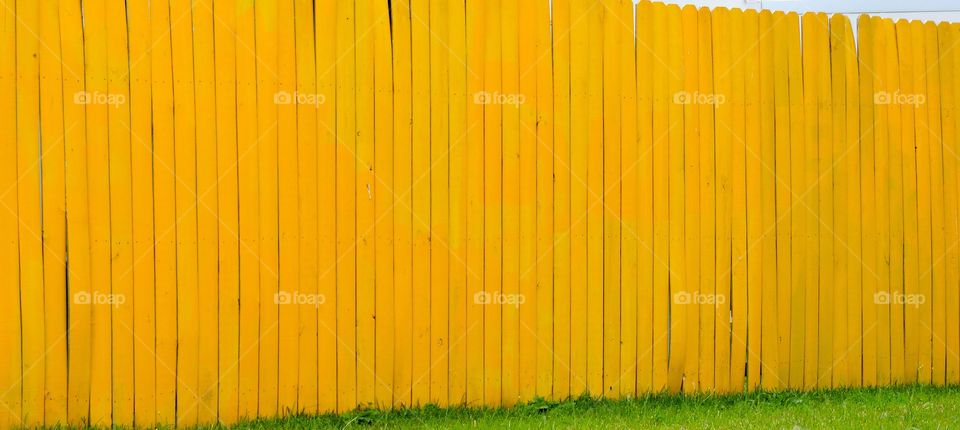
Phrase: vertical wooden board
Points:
(544, 199)
(707, 203)
(562, 183)
(922, 166)
(783, 177)
(738, 294)
(579, 33)
(266, 27)
(164, 212)
(595, 209)
(366, 224)
(756, 204)
(141, 149)
(492, 208)
(724, 195)
(802, 206)
(645, 261)
(325, 49)
(691, 141)
(78, 235)
(248, 167)
(611, 191)
(228, 225)
(11, 363)
(629, 210)
(882, 202)
(810, 190)
(53, 217)
(528, 209)
(475, 51)
(937, 299)
(948, 115)
(459, 165)
(825, 218)
(898, 263)
(675, 168)
(95, 61)
(510, 278)
(185, 160)
(770, 112)
(854, 145)
(661, 232)
(841, 172)
(346, 253)
(869, 215)
(208, 218)
(383, 196)
(420, 11)
(287, 100)
(29, 213)
(121, 224)
(909, 155)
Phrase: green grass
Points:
(920, 407)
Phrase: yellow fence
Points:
(215, 210)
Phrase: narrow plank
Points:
(842, 173)
(810, 191)
(630, 168)
(611, 194)
(758, 265)
(185, 163)
(492, 208)
(645, 263)
(882, 202)
(677, 341)
(164, 212)
(771, 111)
(208, 217)
(420, 12)
(78, 233)
(12, 362)
(529, 245)
(784, 214)
(459, 165)
(595, 209)
(579, 33)
(95, 61)
(511, 207)
(724, 142)
(562, 182)
(53, 216)
(346, 193)
(141, 153)
(801, 254)
(383, 196)
(325, 35)
(691, 141)
(367, 180)
(475, 51)
(248, 167)
(661, 232)
(910, 192)
(853, 144)
(898, 262)
(288, 99)
(948, 115)
(937, 298)
(869, 215)
(738, 294)
(228, 214)
(544, 199)
(707, 196)
(825, 219)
